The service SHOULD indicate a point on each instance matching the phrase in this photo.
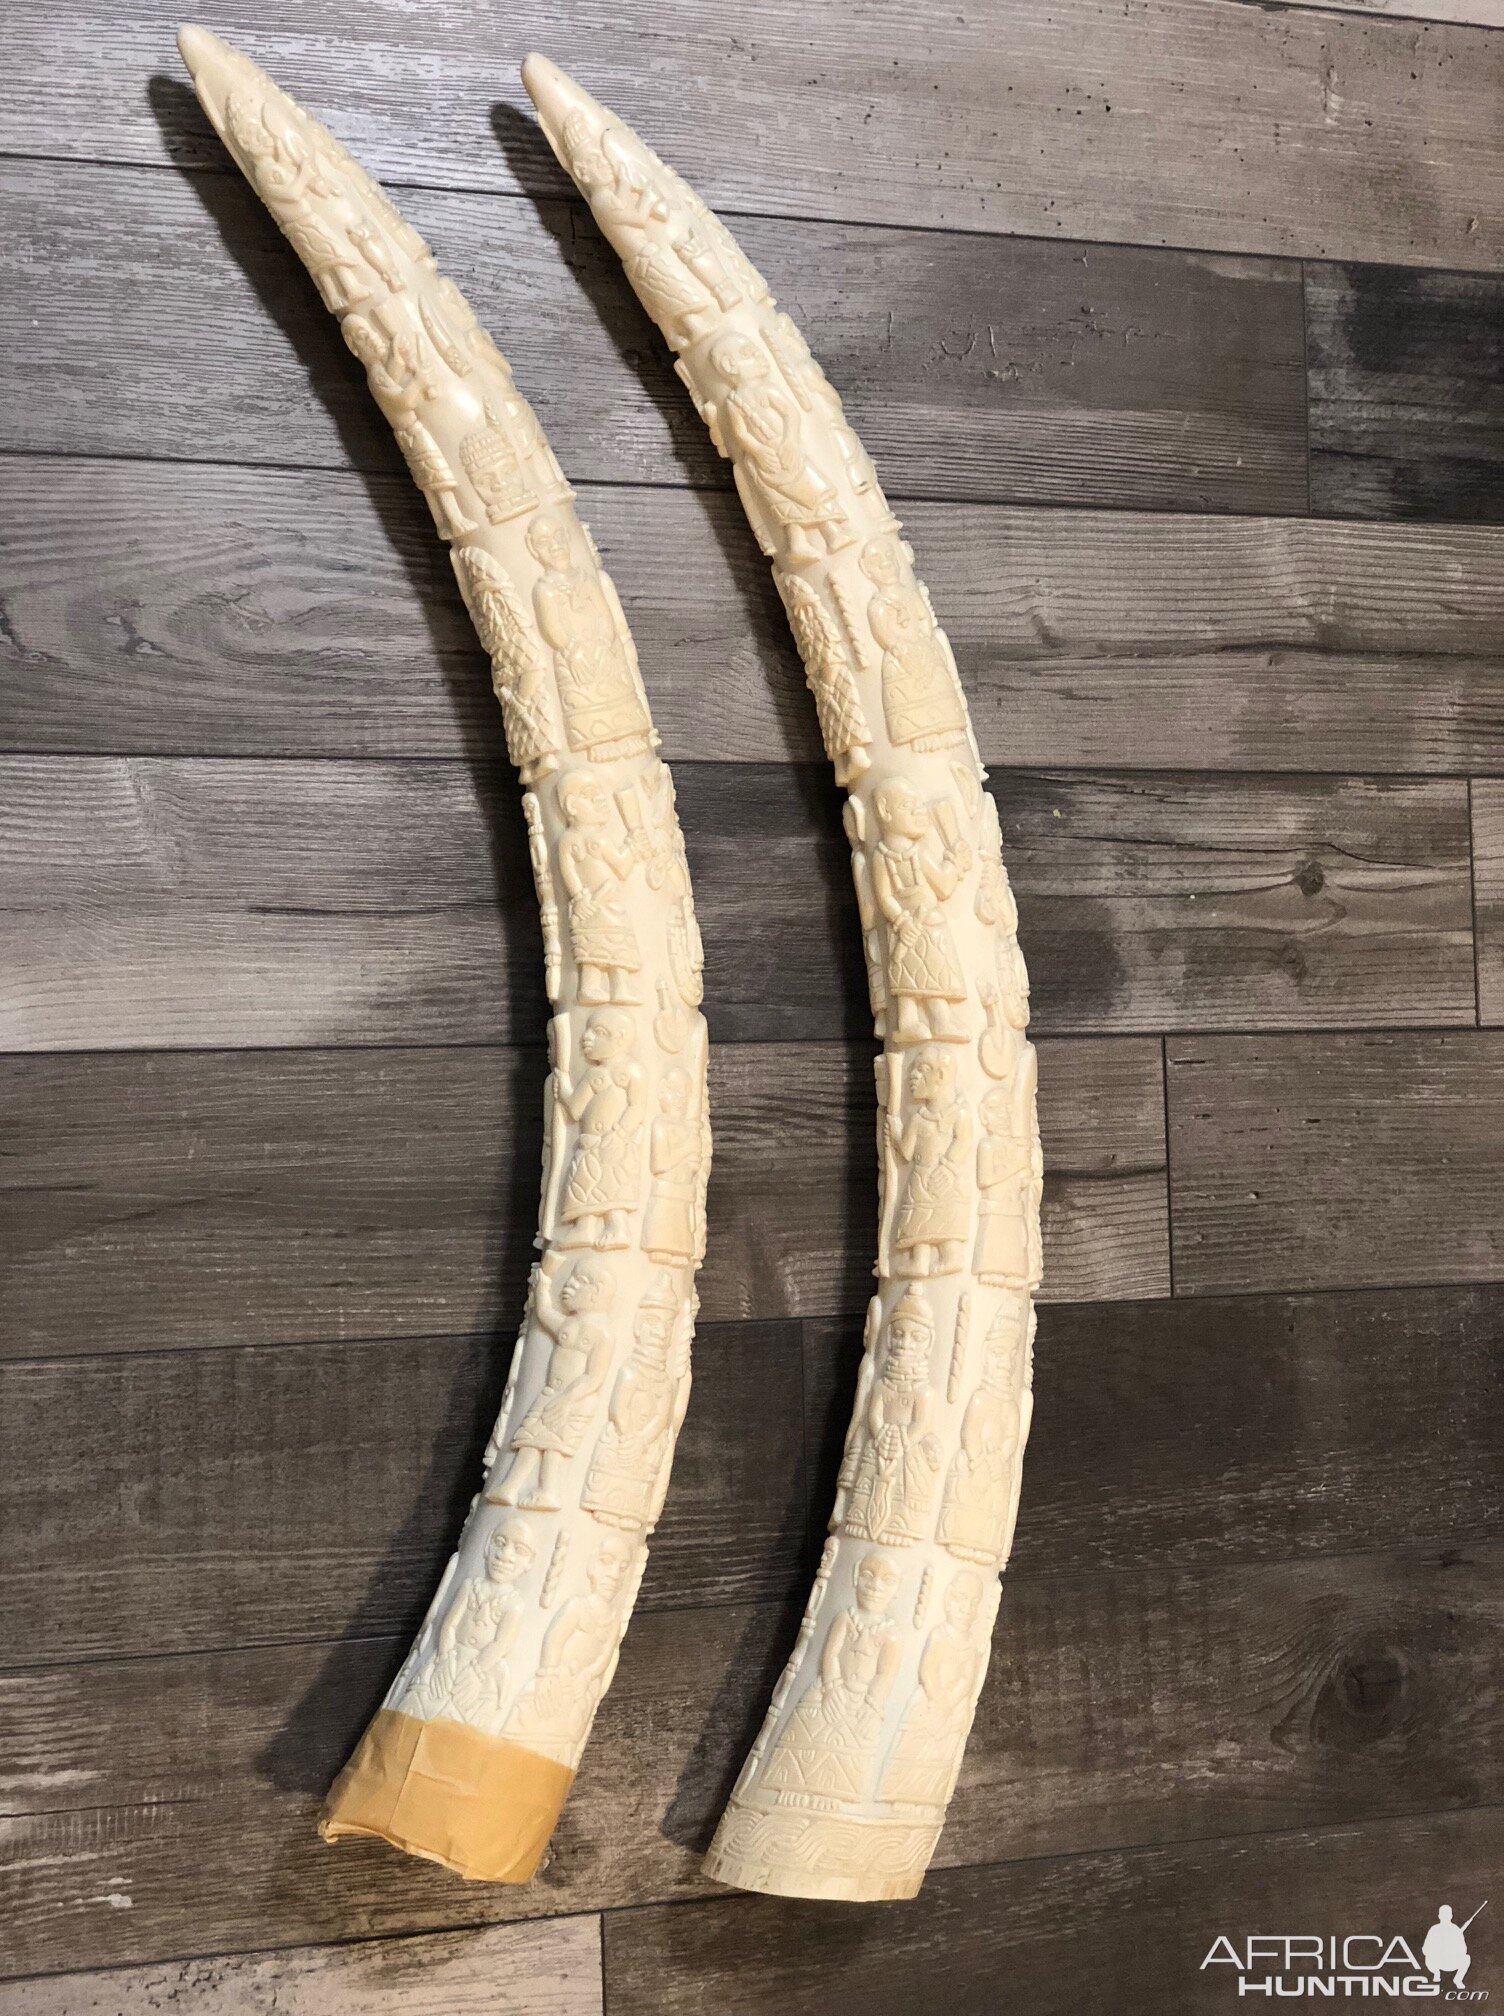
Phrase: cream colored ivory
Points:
(469, 1759)
(845, 1790)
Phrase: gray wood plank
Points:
(1125, 1931)
(1336, 1161)
(1124, 1708)
(197, 902)
(1054, 373)
(1488, 885)
(243, 1197)
(1191, 124)
(301, 1492)
(552, 1968)
(1205, 1430)
(1406, 392)
(295, 1493)
(225, 611)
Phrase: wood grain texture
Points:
(1336, 1161)
(1477, 13)
(263, 1197)
(1182, 121)
(163, 902)
(552, 1968)
(1058, 373)
(215, 1498)
(1406, 375)
(1488, 888)
(1124, 1707)
(1125, 1931)
(205, 609)
(1187, 1432)
(203, 1499)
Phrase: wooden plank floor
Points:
(1176, 329)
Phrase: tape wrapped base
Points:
(788, 1852)
(480, 1805)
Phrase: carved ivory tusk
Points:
(845, 1790)
(469, 1759)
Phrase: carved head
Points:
(674, 1093)
(582, 799)
(657, 1313)
(549, 542)
(1000, 1351)
(509, 1551)
(609, 1566)
(881, 562)
(963, 1599)
(608, 1035)
(997, 1110)
(911, 1334)
(582, 156)
(364, 341)
(877, 1581)
(247, 127)
(900, 810)
(932, 1074)
(586, 1288)
(739, 360)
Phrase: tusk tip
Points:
(554, 94)
(197, 47)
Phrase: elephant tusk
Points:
(470, 1758)
(844, 1792)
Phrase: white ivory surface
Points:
(522, 1637)
(845, 1790)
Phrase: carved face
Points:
(911, 1337)
(586, 163)
(880, 562)
(582, 799)
(932, 1075)
(673, 1094)
(509, 1552)
(900, 811)
(587, 1288)
(246, 129)
(363, 340)
(739, 360)
(963, 1599)
(548, 542)
(606, 1036)
(607, 1571)
(997, 1116)
(876, 1583)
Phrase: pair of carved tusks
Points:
(844, 1792)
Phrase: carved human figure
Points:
(557, 1422)
(1003, 1176)
(922, 1765)
(911, 882)
(399, 359)
(662, 839)
(811, 387)
(434, 478)
(553, 1717)
(602, 700)
(593, 869)
(899, 1455)
(826, 1753)
(759, 427)
(922, 700)
(470, 1679)
(621, 1487)
(975, 1511)
(632, 213)
(828, 673)
(603, 1183)
(286, 174)
(671, 1232)
(931, 1142)
(518, 672)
